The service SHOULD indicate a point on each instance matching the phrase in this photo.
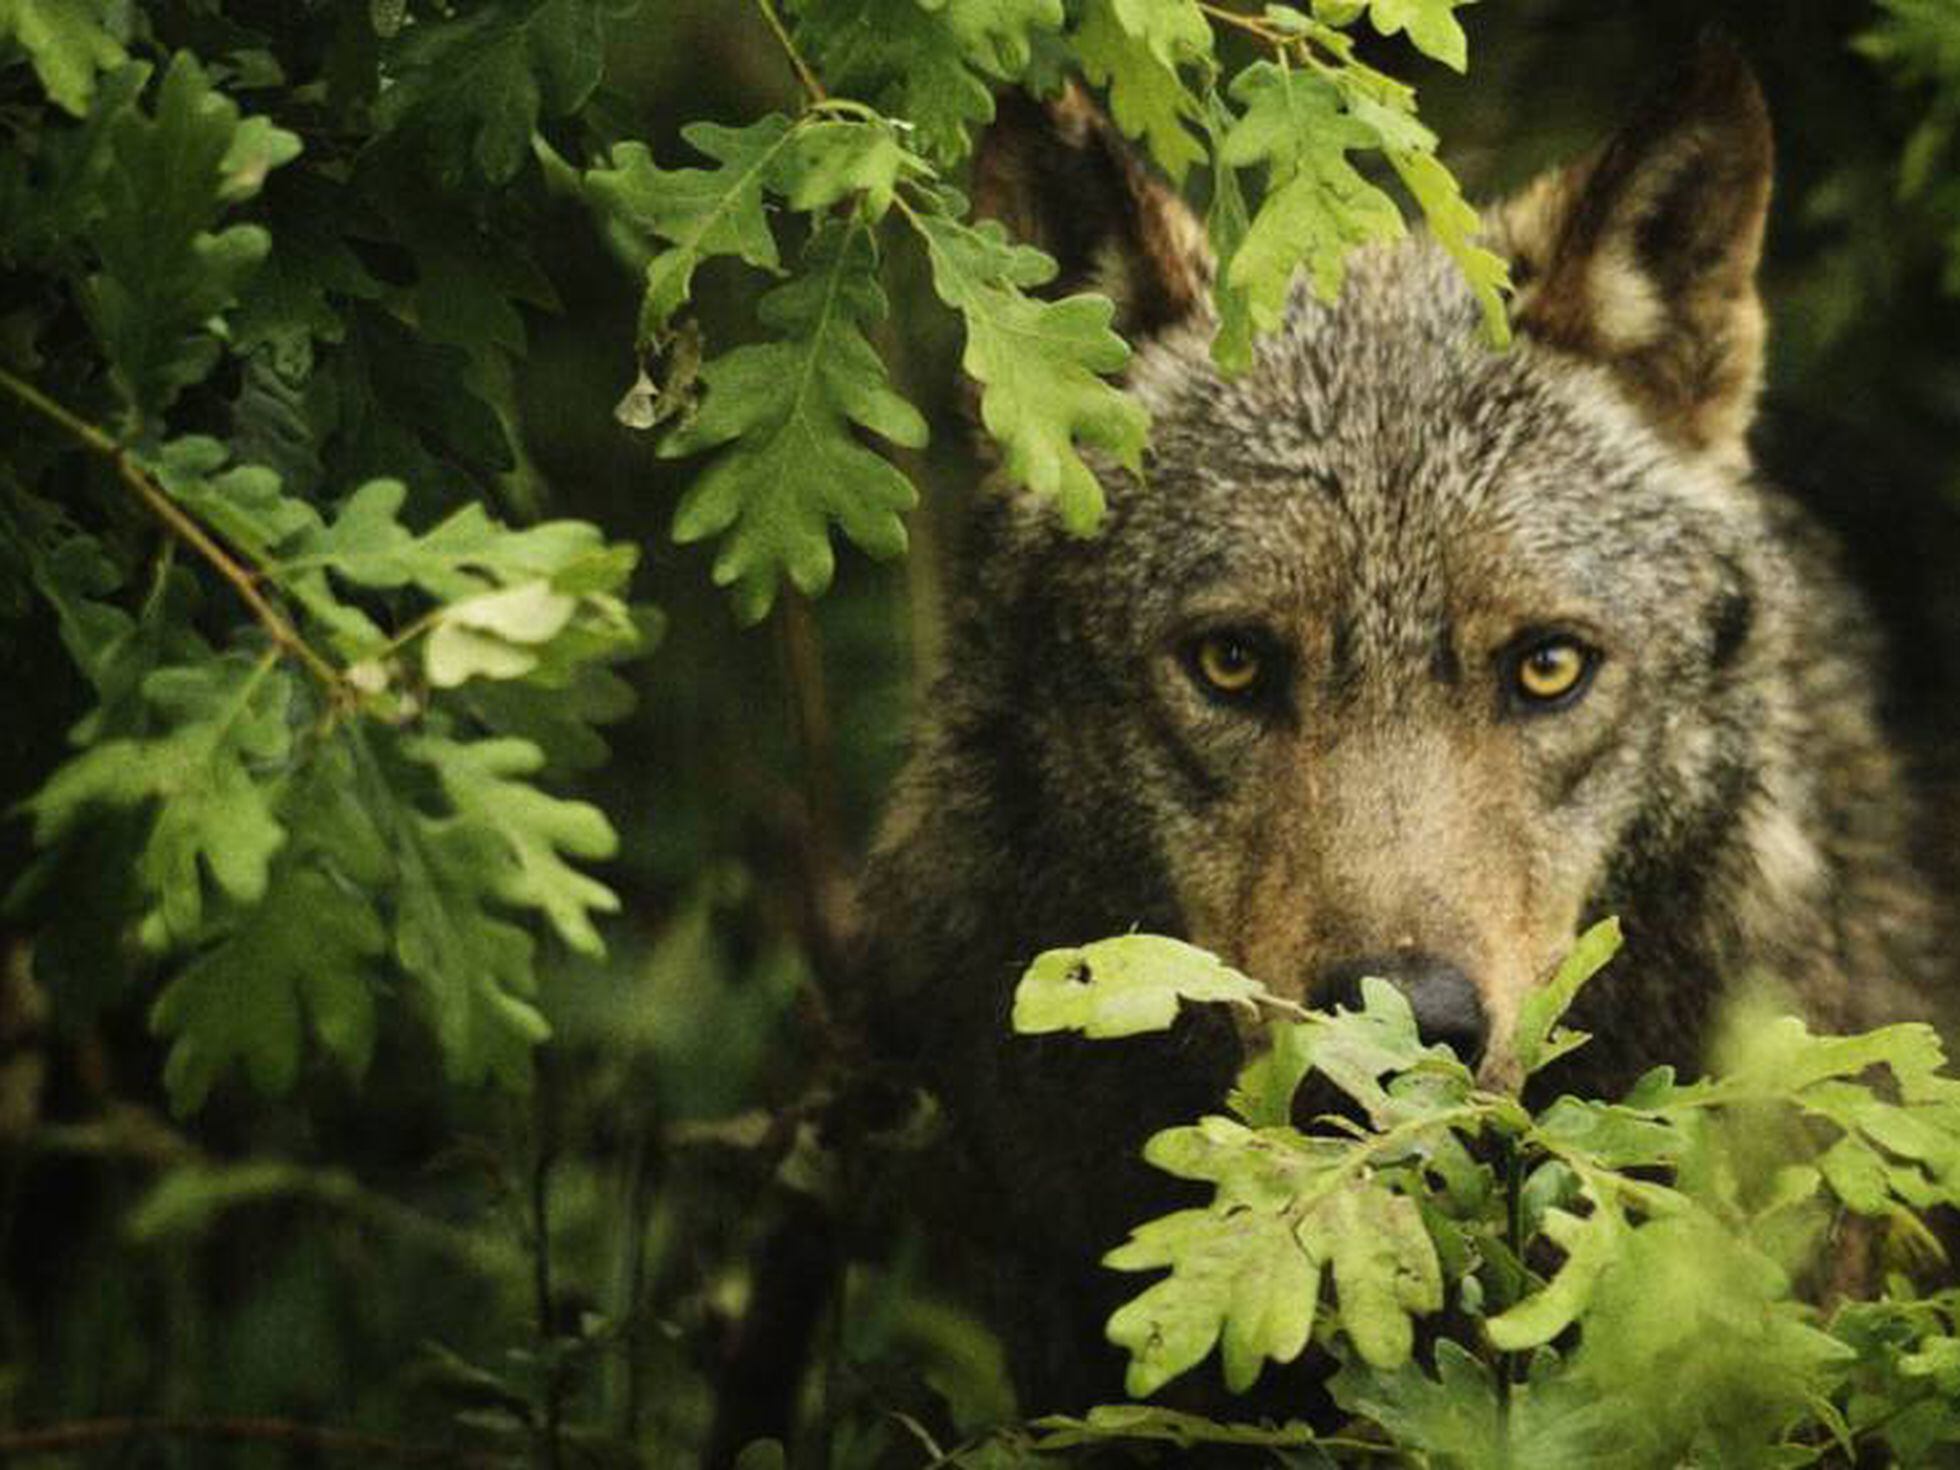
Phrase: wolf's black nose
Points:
(1446, 1004)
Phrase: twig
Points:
(643, 1158)
(824, 890)
(1250, 23)
(158, 503)
(554, 1386)
(803, 73)
(82, 1434)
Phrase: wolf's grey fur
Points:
(1390, 506)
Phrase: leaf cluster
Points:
(1624, 1281)
(1918, 43)
(272, 503)
(894, 91)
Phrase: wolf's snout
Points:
(1446, 1004)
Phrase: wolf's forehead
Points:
(1387, 394)
(1384, 468)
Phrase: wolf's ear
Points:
(1643, 256)
(1059, 176)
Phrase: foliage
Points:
(318, 810)
(1624, 1276)
(1918, 41)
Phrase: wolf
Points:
(1402, 657)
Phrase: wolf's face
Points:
(1403, 638)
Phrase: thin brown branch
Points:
(1250, 23)
(825, 893)
(803, 73)
(361, 1447)
(180, 524)
(544, 1103)
(1285, 42)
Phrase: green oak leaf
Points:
(494, 635)
(1147, 98)
(1150, 1422)
(1591, 1244)
(1317, 208)
(1455, 223)
(469, 552)
(1534, 1039)
(303, 957)
(996, 36)
(698, 212)
(1246, 1272)
(533, 832)
(1175, 31)
(1455, 1418)
(1609, 1136)
(69, 42)
(165, 272)
(1243, 1282)
(464, 558)
(931, 62)
(1431, 27)
(1262, 1095)
(470, 279)
(1123, 986)
(790, 411)
(831, 159)
(1898, 1144)
(1039, 365)
(244, 503)
(466, 89)
(1226, 222)
(1694, 1343)
(209, 774)
(474, 971)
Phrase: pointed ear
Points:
(1643, 256)
(1059, 176)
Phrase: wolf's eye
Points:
(1551, 671)
(1229, 664)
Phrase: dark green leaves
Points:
(220, 723)
(789, 411)
(304, 956)
(934, 63)
(697, 212)
(165, 270)
(1918, 41)
(314, 820)
(466, 91)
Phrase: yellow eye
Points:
(1229, 663)
(1552, 670)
